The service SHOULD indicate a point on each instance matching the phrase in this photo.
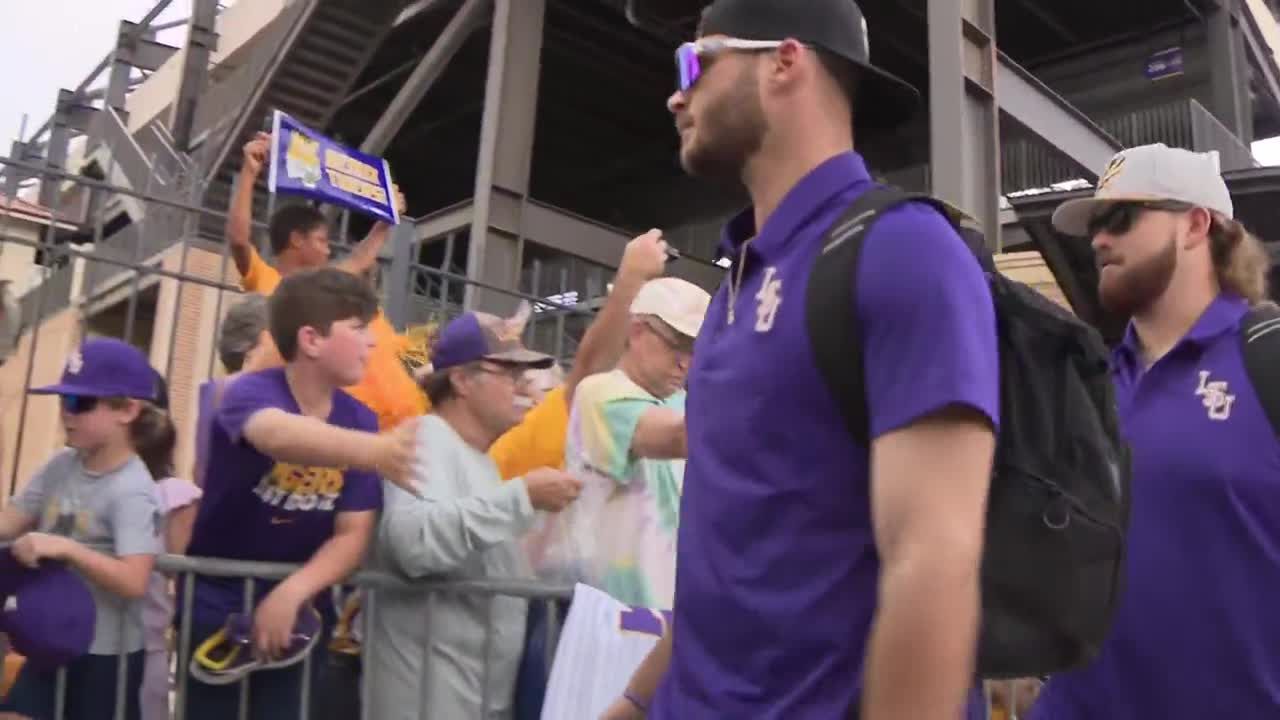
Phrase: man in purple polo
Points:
(1197, 634)
(817, 578)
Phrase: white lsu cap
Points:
(678, 303)
(1150, 173)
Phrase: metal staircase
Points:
(304, 63)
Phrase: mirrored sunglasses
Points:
(690, 55)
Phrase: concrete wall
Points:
(17, 261)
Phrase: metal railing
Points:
(183, 571)
(1184, 123)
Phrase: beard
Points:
(730, 131)
(1133, 289)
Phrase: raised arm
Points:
(364, 256)
(239, 229)
(643, 260)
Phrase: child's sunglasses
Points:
(78, 404)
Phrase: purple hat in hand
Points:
(47, 612)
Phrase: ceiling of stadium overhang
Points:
(604, 140)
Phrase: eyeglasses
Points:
(673, 339)
(690, 56)
(1118, 218)
(78, 404)
(515, 373)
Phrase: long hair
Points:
(1239, 259)
(152, 433)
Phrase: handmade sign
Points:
(306, 163)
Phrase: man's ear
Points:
(1200, 221)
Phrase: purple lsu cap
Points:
(480, 336)
(48, 612)
(106, 367)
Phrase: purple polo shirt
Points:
(255, 508)
(1197, 634)
(777, 566)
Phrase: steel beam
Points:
(470, 16)
(964, 123)
(1030, 103)
(202, 40)
(444, 222)
(1227, 69)
(506, 147)
(136, 45)
(71, 114)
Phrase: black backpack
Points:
(1260, 336)
(1058, 507)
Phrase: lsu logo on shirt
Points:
(296, 487)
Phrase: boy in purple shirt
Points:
(1197, 630)
(817, 577)
(291, 478)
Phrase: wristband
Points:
(636, 702)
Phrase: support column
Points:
(506, 151)
(1228, 72)
(202, 40)
(71, 114)
(964, 131)
(404, 246)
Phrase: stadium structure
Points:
(532, 140)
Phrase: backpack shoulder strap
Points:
(832, 324)
(1260, 339)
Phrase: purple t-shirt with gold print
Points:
(255, 508)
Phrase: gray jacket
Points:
(425, 653)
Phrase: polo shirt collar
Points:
(809, 195)
(1222, 316)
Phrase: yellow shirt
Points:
(538, 441)
(387, 388)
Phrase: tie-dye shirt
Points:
(629, 506)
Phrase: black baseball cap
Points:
(882, 100)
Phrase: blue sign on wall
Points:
(1163, 64)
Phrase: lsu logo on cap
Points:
(1113, 169)
(75, 363)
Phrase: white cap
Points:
(678, 303)
(1150, 173)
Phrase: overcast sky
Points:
(51, 44)
(39, 53)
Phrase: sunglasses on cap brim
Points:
(689, 56)
(1117, 218)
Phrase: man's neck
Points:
(311, 389)
(106, 459)
(780, 165)
(630, 368)
(1169, 319)
(466, 425)
(286, 264)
